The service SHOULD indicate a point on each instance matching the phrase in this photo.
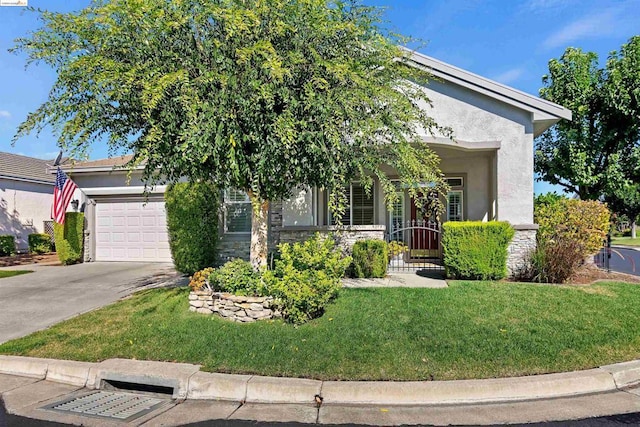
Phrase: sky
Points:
(510, 41)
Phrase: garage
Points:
(131, 230)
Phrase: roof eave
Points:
(540, 108)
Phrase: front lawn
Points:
(469, 330)
(11, 273)
(625, 241)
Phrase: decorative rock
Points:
(238, 308)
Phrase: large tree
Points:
(258, 95)
(593, 153)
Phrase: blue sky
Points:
(510, 41)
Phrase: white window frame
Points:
(228, 202)
(461, 194)
(373, 197)
(401, 200)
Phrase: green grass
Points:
(626, 241)
(11, 273)
(469, 330)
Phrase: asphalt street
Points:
(623, 260)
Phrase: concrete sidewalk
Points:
(28, 384)
(399, 280)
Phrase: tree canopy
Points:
(596, 152)
(258, 95)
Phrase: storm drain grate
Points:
(109, 404)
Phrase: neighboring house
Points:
(26, 194)
(489, 166)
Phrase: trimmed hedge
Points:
(370, 258)
(192, 220)
(40, 243)
(476, 250)
(69, 238)
(7, 245)
(237, 277)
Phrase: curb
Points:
(188, 382)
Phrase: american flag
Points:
(62, 194)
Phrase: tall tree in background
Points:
(577, 154)
(594, 155)
(258, 95)
(623, 87)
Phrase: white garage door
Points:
(132, 231)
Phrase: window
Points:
(237, 212)
(396, 216)
(454, 182)
(359, 210)
(454, 206)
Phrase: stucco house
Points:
(488, 164)
(26, 194)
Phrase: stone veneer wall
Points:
(345, 237)
(233, 307)
(237, 248)
(523, 243)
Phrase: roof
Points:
(100, 165)
(545, 113)
(23, 168)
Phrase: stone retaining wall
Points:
(345, 237)
(233, 307)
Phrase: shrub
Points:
(584, 221)
(553, 261)
(237, 277)
(200, 279)
(395, 248)
(305, 278)
(476, 250)
(192, 221)
(69, 238)
(7, 245)
(370, 258)
(40, 243)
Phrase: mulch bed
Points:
(589, 273)
(24, 259)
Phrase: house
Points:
(488, 165)
(26, 194)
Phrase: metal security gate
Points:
(415, 245)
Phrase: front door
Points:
(425, 235)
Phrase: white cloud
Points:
(509, 76)
(4, 114)
(599, 24)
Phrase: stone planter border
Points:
(237, 308)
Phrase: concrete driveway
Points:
(50, 294)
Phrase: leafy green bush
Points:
(584, 221)
(476, 250)
(69, 238)
(40, 243)
(370, 258)
(7, 245)
(237, 277)
(305, 277)
(192, 221)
